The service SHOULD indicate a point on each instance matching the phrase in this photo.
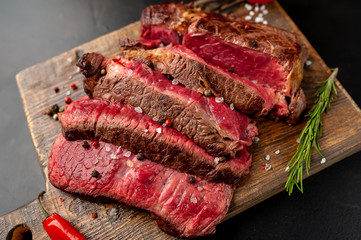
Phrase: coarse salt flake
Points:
(268, 157)
(219, 100)
(113, 156)
(258, 19)
(287, 168)
(130, 71)
(78, 69)
(260, 15)
(138, 110)
(256, 8)
(199, 188)
(127, 154)
(68, 93)
(263, 7)
(323, 160)
(308, 62)
(216, 160)
(69, 59)
(277, 152)
(248, 6)
(231, 106)
(251, 13)
(118, 149)
(265, 12)
(298, 140)
(247, 18)
(130, 163)
(175, 82)
(256, 140)
(159, 130)
(146, 130)
(268, 167)
(194, 200)
(265, 22)
(107, 148)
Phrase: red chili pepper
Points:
(67, 100)
(168, 123)
(57, 227)
(95, 144)
(247, 26)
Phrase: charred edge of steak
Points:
(90, 65)
(297, 106)
(126, 43)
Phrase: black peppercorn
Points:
(168, 76)
(254, 43)
(85, 144)
(192, 180)
(140, 156)
(95, 174)
(55, 108)
(231, 70)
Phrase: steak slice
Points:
(123, 126)
(194, 73)
(184, 209)
(213, 126)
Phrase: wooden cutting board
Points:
(342, 131)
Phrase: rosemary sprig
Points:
(310, 134)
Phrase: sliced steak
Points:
(213, 126)
(268, 55)
(186, 206)
(194, 73)
(123, 126)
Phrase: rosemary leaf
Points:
(310, 134)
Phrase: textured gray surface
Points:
(35, 30)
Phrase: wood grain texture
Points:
(342, 131)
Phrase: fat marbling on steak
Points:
(123, 126)
(213, 126)
(185, 207)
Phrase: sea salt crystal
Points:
(256, 140)
(118, 149)
(113, 156)
(287, 168)
(69, 59)
(194, 200)
(308, 62)
(129, 71)
(175, 82)
(323, 160)
(260, 15)
(68, 93)
(265, 22)
(231, 106)
(268, 157)
(199, 188)
(263, 7)
(164, 125)
(268, 167)
(277, 152)
(146, 130)
(247, 18)
(216, 160)
(107, 148)
(298, 140)
(251, 13)
(256, 8)
(78, 69)
(258, 19)
(138, 110)
(70, 77)
(219, 100)
(265, 12)
(127, 154)
(130, 163)
(248, 6)
(159, 130)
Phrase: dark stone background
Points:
(34, 30)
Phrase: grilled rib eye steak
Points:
(123, 126)
(183, 208)
(213, 126)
